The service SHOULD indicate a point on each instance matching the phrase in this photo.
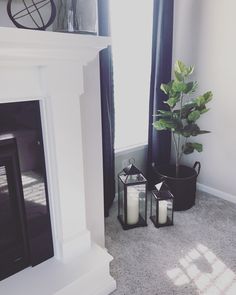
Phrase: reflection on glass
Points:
(34, 193)
(141, 188)
(7, 224)
(153, 207)
(121, 212)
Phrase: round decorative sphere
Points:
(31, 14)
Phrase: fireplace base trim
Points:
(76, 245)
(88, 274)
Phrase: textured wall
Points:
(205, 36)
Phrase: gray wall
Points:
(204, 35)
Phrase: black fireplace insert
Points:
(25, 226)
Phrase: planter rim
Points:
(177, 178)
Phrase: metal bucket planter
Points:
(184, 187)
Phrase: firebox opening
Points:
(25, 227)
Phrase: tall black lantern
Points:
(162, 204)
(132, 198)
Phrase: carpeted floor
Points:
(195, 256)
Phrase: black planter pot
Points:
(184, 187)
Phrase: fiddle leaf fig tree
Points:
(183, 112)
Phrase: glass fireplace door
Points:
(13, 241)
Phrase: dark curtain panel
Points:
(107, 104)
(159, 143)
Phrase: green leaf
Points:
(178, 86)
(165, 88)
(172, 102)
(203, 132)
(203, 111)
(198, 147)
(164, 114)
(163, 124)
(189, 147)
(167, 124)
(190, 87)
(208, 96)
(180, 67)
(200, 101)
(193, 116)
(178, 76)
(159, 125)
(190, 130)
(187, 108)
(190, 70)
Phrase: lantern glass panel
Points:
(170, 210)
(136, 204)
(132, 193)
(121, 194)
(153, 207)
(132, 205)
(142, 201)
(161, 212)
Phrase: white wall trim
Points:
(129, 149)
(216, 193)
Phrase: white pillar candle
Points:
(132, 205)
(162, 217)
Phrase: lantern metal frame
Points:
(141, 180)
(163, 194)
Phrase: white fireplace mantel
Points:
(31, 45)
(61, 71)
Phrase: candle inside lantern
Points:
(132, 205)
(162, 216)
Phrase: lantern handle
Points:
(132, 161)
(198, 166)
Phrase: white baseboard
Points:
(216, 193)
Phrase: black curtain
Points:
(159, 143)
(107, 105)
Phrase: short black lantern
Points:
(162, 202)
(132, 198)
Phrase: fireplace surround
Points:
(58, 70)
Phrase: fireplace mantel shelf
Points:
(61, 71)
(47, 45)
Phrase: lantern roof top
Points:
(131, 170)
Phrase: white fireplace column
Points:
(49, 67)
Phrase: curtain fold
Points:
(159, 143)
(107, 107)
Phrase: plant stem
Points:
(177, 158)
(179, 154)
(176, 154)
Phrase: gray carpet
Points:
(197, 255)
